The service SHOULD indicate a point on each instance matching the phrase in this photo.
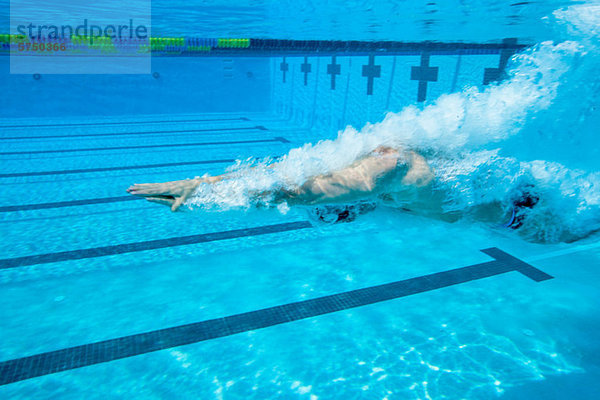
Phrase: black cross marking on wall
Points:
(424, 73)
(305, 67)
(333, 69)
(371, 71)
(284, 67)
(497, 74)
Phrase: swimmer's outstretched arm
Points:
(172, 194)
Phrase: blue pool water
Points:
(82, 262)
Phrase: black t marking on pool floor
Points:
(128, 346)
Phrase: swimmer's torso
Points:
(360, 178)
(401, 179)
(371, 175)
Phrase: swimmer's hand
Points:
(172, 194)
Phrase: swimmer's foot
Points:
(527, 201)
(172, 194)
(333, 214)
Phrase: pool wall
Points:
(331, 92)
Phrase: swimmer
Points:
(402, 177)
(351, 183)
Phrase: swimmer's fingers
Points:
(147, 189)
(179, 200)
(141, 189)
(172, 202)
(174, 188)
(162, 200)
(172, 194)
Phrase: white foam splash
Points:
(582, 20)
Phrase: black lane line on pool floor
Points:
(120, 168)
(147, 146)
(248, 128)
(69, 203)
(149, 245)
(128, 346)
(123, 123)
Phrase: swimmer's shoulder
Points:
(413, 166)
